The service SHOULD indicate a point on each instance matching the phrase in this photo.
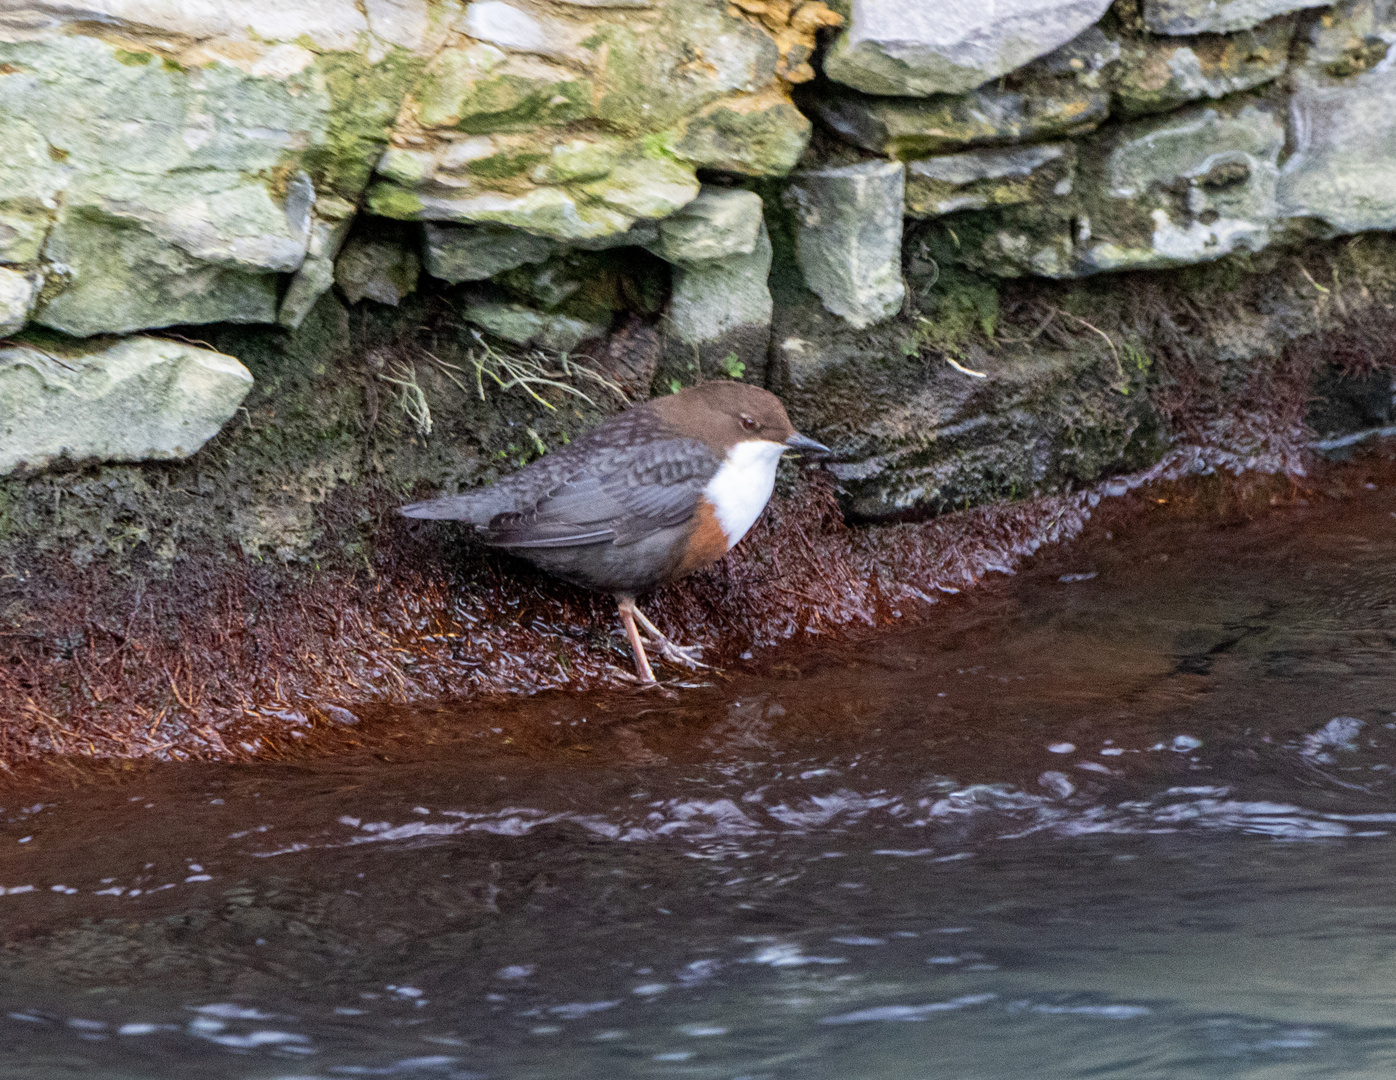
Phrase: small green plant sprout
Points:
(731, 366)
(1141, 360)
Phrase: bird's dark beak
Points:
(804, 442)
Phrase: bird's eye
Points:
(748, 424)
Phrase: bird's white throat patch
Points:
(742, 486)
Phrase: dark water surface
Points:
(1130, 815)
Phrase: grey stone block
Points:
(919, 49)
(458, 253)
(720, 309)
(1194, 186)
(17, 293)
(1342, 172)
(979, 179)
(1216, 16)
(528, 327)
(1157, 74)
(719, 223)
(990, 116)
(382, 270)
(139, 399)
(849, 237)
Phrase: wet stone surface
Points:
(1126, 815)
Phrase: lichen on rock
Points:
(980, 179)
(576, 124)
(165, 181)
(1191, 188)
(1041, 109)
(1160, 74)
(1186, 188)
(1341, 174)
(1215, 16)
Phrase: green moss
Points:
(449, 80)
(580, 161)
(731, 366)
(1136, 362)
(132, 59)
(503, 166)
(391, 201)
(482, 89)
(1218, 278)
(959, 307)
(365, 101)
(8, 507)
(513, 102)
(660, 145)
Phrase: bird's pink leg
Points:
(626, 606)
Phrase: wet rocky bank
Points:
(464, 644)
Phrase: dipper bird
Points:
(654, 493)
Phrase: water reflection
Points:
(1128, 816)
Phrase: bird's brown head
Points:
(723, 414)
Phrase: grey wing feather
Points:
(637, 492)
(525, 489)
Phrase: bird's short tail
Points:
(451, 508)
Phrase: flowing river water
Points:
(1129, 814)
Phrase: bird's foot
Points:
(653, 685)
(633, 619)
(683, 655)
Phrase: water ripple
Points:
(936, 825)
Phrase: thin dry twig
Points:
(1119, 366)
(528, 373)
(412, 399)
(964, 370)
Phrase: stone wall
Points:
(621, 196)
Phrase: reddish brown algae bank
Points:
(224, 670)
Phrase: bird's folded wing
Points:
(639, 491)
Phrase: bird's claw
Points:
(683, 655)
